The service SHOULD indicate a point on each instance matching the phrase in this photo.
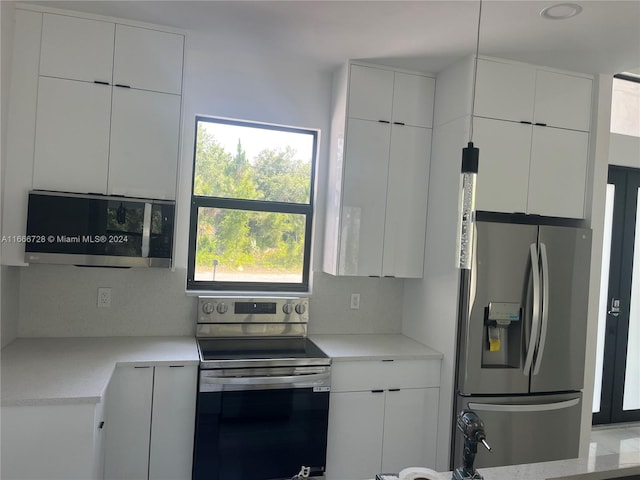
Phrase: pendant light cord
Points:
(475, 74)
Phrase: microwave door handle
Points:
(545, 308)
(146, 230)
(535, 317)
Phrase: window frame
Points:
(199, 201)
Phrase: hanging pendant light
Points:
(469, 173)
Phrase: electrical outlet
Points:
(104, 297)
(355, 301)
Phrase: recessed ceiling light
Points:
(561, 11)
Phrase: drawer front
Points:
(354, 376)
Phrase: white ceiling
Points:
(421, 35)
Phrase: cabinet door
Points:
(98, 442)
(76, 48)
(563, 100)
(370, 93)
(410, 428)
(364, 196)
(406, 213)
(145, 132)
(558, 172)
(504, 91)
(172, 422)
(148, 59)
(413, 97)
(354, 442)
(503, 170)
(128, 423)
(72, 136)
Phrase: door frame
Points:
(627, 182)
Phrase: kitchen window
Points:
(251, 206)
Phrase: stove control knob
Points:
(222, 308)
(300, 308)
(287, 308)
(207, 308)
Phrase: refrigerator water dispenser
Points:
(502, 335)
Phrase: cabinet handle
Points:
(525, 122)
(374, 276)
(176, 366)
(377, 391)
(384, 121)
(394, 389)
(390, 276)
(398, 123)
(142, 367)
(540, 124)
(100, 82)
(388, 360)
(100, 425)
(121, 85)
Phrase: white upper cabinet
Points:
(148, 59)
(381, 145)
(370, 93)
(72, 136)
(503, 166)
(529, 94)
(530, 169)
(557, 179)
(144, 149)
(532, 126)
(405, 218)
(364, 198)
(413, 97)
(504, 91)
(77, 48)
(108, 108)
(563, 101)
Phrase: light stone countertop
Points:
(584, 468)
(344, 347)
(47, 371)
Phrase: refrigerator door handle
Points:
(535, 317)
(545, 308)
(535, 407)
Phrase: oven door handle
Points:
(212, 383)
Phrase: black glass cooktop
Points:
(258, 348)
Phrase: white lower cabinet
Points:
(382, 417)
(44, 442)
(128, 423)
(410, 425)
(149, 416)
(355, 434)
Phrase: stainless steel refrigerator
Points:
(521, 341)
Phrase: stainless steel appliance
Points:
(99, 230)
(521, 342)
(263, 394)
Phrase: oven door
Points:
(263, 425)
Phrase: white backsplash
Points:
(61, 301)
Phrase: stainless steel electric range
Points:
(263, 393)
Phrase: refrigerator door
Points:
(498, 293)
(525, 429)
(558, 364)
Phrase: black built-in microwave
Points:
(99, 230)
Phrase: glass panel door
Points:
(617, 389)
(631, 394)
